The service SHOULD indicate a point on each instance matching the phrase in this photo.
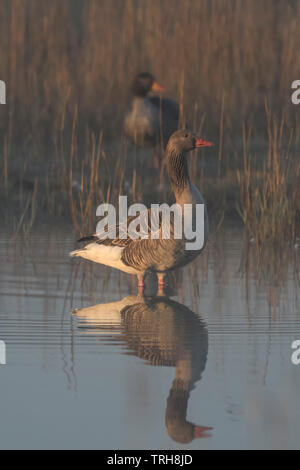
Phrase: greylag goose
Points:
(150, 119)
(161, 254)
(161, 332)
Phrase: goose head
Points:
(144, 83)
(183, 141)
(179, 144)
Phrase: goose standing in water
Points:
(162, 332)
(150, 119)
(159, 255)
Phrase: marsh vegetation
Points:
(68, 68)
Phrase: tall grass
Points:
(231, 51)
(68, 66)
(269, 187)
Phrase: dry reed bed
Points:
(68, 66)
(207, 52)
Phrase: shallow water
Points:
(209, 367)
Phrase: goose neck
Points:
(178, 172)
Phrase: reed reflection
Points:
(162, 332)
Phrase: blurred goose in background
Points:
(137, 256)
(150, 119)
(163, 333)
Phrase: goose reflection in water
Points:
(164, 333)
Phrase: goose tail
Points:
(87, 239)
(76, 253)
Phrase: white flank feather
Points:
(104, 254)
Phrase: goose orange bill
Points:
(201, 432)
(157, 88)
(202, 143)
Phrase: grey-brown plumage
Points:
(162, 332)
(150, 119)
(160, 255)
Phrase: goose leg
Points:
(141, 284)
(155, 160)
(161, 282)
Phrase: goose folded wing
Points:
(146, 226)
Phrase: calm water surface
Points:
(90, 364)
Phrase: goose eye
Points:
(186, 136)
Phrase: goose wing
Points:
(154, 247)
(169, 111)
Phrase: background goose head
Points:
(144, 83)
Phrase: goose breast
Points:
(141, 123)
